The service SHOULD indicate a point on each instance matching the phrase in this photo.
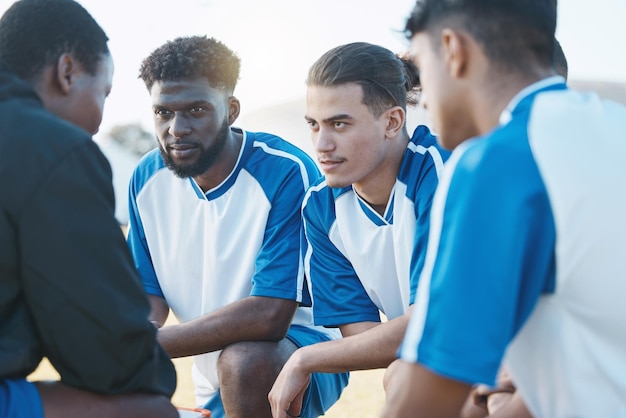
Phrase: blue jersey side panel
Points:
(491, 255)
(136, 237)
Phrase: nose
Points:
(323, 140)
(179, 126)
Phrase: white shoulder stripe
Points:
(305, 175)
(434, 153)
(413, 336)
(312, 189)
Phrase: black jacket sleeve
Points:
(78, 279)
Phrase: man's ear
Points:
(455, 53)
(234, 107)
(395, 121)
(66, 68)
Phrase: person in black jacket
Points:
(68, 287)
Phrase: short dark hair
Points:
(513, 33)
(34, 33)
(192, 57)
(386, 79)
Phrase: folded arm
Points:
(254, 318)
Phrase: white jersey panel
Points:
(368, 245)
(187, 273)
(576, 337)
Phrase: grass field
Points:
(363, 397)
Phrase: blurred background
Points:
(277, 41)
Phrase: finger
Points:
(279, 413)
(295, 408)
(279, 408)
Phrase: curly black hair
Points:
(192, 57)
(34, 33)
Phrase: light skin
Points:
(499, 402)
(73, 94)
(188, 115)
(452, 64)
(353, 147)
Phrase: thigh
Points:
(19, 398)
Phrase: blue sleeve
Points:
(492, 257)
(278, 267)
(423, 197)
(136, 239)
(338, 295)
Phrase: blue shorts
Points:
(19, 399)
(324, 389)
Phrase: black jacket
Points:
(68, 287)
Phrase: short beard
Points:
(206, 160)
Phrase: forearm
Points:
(417, 392)
(371, 349)
(159, 311)
(249, 319)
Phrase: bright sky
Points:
(278, 40)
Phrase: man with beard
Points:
(215, 231)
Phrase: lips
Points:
(182, 150)
(329, 164)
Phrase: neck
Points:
(496, 96)
(224, 164)
(376, 188)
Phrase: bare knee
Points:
(243, 361)
(389, 375)
(247, 371)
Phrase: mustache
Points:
(182, 144)
(329, 158)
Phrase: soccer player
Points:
(366, 221)
(526, 255)
(215, 230)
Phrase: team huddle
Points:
(479, 260)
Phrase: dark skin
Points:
(188, 116)
(251, 334)
(254, 318)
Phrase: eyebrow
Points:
(174, 104)
(330, 119)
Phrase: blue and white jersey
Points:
(202, 251)
(358, 261)
(527, 257)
